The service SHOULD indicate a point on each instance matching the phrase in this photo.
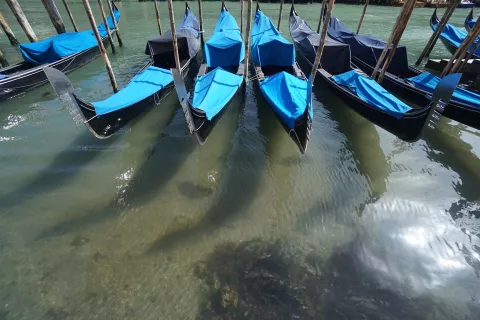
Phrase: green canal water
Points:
(149, 225)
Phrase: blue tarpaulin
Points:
(287, 95)
(269, 48)
(140, 87)
(367, 48)
(372, 93)
(456, 36)
(54, 48)
(214, 90)
(428, 82)
(225, 47)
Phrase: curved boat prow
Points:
(469, 21)
(183, 97)
(434, 19)
(59, 81)
(440, 99)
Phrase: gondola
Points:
(65, 52)
(219, 78)
(152, 82)
(359, 91)
(469, 21)
(451, 36)
(404, 80)
(281, 80)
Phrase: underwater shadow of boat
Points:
(286, 280)
(363, 141)
(78, 154)
(238, 187)
(446, 147)
(146, 182)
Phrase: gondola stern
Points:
(467, 20)
(434, 19)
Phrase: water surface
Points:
(149, 225)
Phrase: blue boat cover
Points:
(225, 47)
(140, 87)
(471, 22)
(214, 90)
(287, 95)
(371, 92)
(54, 48)
(367, 48)
(428, 82)
(456, 36)
(269, 48)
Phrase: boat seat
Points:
(241, 69)
(202, 70)
(298, 72)
(260, 74)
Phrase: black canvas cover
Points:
(161, 48)
(336, 55)
(368, 48)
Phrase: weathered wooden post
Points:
(54, 15)
(158, 17)
(105, 22)
(101, 47)
(6, 28)
(322, 9)
(401, 28)
(22, 20)
(241, 17)
(396, 31)
(436, 34)
(321, 45)
(280, 15)
(470, 54)
(247, 38)
(115, 25)
(3, 61)
(363, 15)
(201, 20)
(174, 36)
(70, 15)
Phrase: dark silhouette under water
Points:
(281, 280)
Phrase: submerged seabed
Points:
(148, 225)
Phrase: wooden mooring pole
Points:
(22, 20)
(101, 47)
(436, 34)
(200, 16)
(115, 25)
(6, 28)
(54, 15)
(321, 45)
(363, 15)
(70, 15)
(456, 60)
(158, 17)
(322, 9)
(174, 36)
(105, 22)
(399, 32)
(247, 38)
(241, 17)
(280, 15)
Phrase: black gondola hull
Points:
(456, 111)
(300, 134)
(407, 128)
(32, 78)
(105, 126)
